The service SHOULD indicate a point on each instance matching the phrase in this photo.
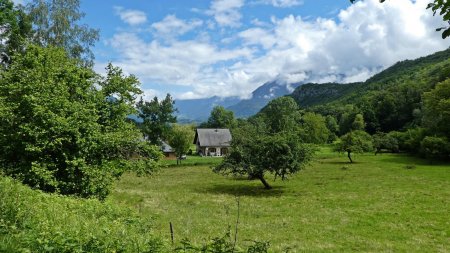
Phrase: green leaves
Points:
(61, 133)
(157, 117)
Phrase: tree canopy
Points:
(15, 27)
(220, 118)
(354, 142)
(256, 155)
(157, 117)
(56, 23)
(180, 139)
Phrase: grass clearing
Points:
(384, 203)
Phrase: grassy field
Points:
(193, 161)
(384, 203)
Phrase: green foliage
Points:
(281, 114)
(382, 141)
(435, 147)
(358, 123)
(60, 133)
(56, 23)
(222, 244)
(254, 154)
(313, 128)
(180, 139)
(354, 142)
(436, 109)
(410, 139)
(333, 128)
(220, 118)
(32, 221)
(15, 28)
(157, 117)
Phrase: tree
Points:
(15, 27)
(56, 23)
(442, 7)
(313, 128)
(354, 142)
(436, 109)
(60, 131)
(220, 118)
(358, 122)
(256, 154)
(385, 141)
(280, 114)
(180, 140)
(333, 127)
(157, 117)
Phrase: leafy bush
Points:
(33, 221)
(382, 141)
(410, 139)
(64, 129)
(222, 244)
(433, 147)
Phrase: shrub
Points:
(433, 147)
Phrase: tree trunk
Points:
(263, 180)
(349, 157)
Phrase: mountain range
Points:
(198, 110)
(401, 80)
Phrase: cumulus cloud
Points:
(131, 17)
(182, 63)
(226, 12)
(172, 26)
(363, 39)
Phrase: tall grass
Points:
(32, 221)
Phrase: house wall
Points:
(212, 151)
(170, 156)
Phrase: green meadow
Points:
(383, 203)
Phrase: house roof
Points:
(208, 137)
(165, 147)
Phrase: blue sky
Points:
(203, 48)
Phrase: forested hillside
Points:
(390, 100)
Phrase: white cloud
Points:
(131, 17)
(281, 3)
(365, 38)
(172, 26)
(183, 63)
(226, 12)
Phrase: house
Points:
(168, 151)
(212, 142)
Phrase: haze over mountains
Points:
(198, 110)
(306, 94)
